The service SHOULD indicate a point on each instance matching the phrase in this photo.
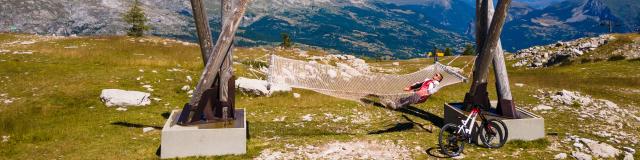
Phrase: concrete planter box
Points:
(204, 140)
(529, 127)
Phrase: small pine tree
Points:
(136, 18)
(448, 52)
(286, 41)
(468, 50)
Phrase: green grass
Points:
(60, 116)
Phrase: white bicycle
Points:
(493, 133)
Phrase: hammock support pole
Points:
(212, 100)
(490, 51)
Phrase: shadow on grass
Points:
(133, 125)
(411, 110)
(435, 152)
(159, 151)
(403, 127)
(396, 128)
(166, 115)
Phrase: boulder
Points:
(296, 95)
(307, 118)
(123, 98)
(259, 87)
(581, 156)
(147, 129)
(601, 150)
(629, 150)
(628, 156)
(560, 156)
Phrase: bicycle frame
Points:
(468, 124)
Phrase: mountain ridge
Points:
(399, 28)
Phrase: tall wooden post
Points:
(482, 25)
(506, 106)
(222, 46)
(216, 58)
(203, 29)
(226, 70)
(478, 91)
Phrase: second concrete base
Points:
(528, 127)
(204, 140)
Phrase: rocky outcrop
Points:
(554, 54)
(606, 119)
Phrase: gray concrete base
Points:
(529, 127)
(203, 140)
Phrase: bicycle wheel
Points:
(450, 141)
(493, 133)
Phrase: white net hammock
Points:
(343, 81)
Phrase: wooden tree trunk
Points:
(506, 106)
(203, 29)
(488, 50)
(223, 45)
(482, 25)
(226, 70)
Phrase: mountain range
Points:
(398, 28)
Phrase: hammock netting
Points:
(346, 82)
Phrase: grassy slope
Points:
(59, 114)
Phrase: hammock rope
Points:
(346, 82)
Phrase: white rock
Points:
(121, 109)
(602, 150)
(560, 156)
(628, 156)
(7, 101)
(117, 97)
(185, 88)
(576, 51)
(629, 150)
(259, 87)
(280, 119)
(189, 79)
(296, 95)
(542, 107)
(5, 139)
(519, 85)
(147, 129)
(396, 63)
(22, 52)
(27, 42)
(581, 156)
(578, 145)
(307, 118)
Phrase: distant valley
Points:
(398, 28)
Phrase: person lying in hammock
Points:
(421, 91)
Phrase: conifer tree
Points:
(136, 19)
(286, 41)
